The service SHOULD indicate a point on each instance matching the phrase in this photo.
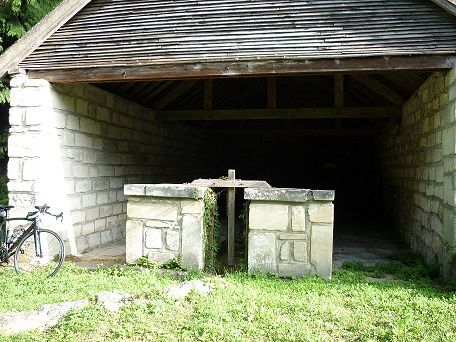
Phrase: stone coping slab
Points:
(288, 195)
(165, 190)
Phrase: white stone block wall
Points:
(76, 146)
(165, 222)
(419, 164)
(290, 232)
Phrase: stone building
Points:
(359, 97)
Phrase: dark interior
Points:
(330, 153)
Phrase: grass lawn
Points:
(408, 307)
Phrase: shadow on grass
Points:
(406, 270)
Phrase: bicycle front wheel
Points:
(45, 258)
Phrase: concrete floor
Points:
(368, 247)
(103, 256)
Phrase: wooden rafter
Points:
(157, 91)
(290, 113)
(380, 88)
(174, 93)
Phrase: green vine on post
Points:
(211, 230)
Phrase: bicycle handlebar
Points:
(44, 210)
(58, 216)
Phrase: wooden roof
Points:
(108, 34)
(136, 32)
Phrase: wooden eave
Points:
(243, 69)
(63, 12)
(447, 5)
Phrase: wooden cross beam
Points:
(231, 183)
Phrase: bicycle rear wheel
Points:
(51, 259)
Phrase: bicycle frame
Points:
(10, 249)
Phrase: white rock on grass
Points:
(46, 317)
(113, 301)
(184, 289)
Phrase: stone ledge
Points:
(165, 190)
(288, 195)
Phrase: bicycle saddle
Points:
(42, 207)
(6, 207)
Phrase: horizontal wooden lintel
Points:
(282, 113)
(226, 183)
(243, 69)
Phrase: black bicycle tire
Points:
(62, 251)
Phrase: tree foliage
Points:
(16, 18)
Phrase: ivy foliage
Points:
(211, 231)
(16, 18)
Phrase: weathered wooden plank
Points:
(231, 204)
(380, 88)
(248, 68)
(281, 113)
(226, 183)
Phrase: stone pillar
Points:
(165, 222)
(290, 232)
(449, 188)
(35, 168)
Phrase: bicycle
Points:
(31, 248)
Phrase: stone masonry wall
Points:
(419, 165)
(75, 146)
(290, 232)
(166, 222)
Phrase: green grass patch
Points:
(243, 308)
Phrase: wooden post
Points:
(231, 212)
(339, 90)
(272, 93)
(208, 94)
(339, 87)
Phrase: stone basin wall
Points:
(165, 222)
(290, 232)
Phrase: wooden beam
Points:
(39, 33)
(224, 183)
(208, 89)
(380, 89)
(247, 68)
(231, 212)
(272, 92)
(174, 93)
(297, 132)
(291, 113)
